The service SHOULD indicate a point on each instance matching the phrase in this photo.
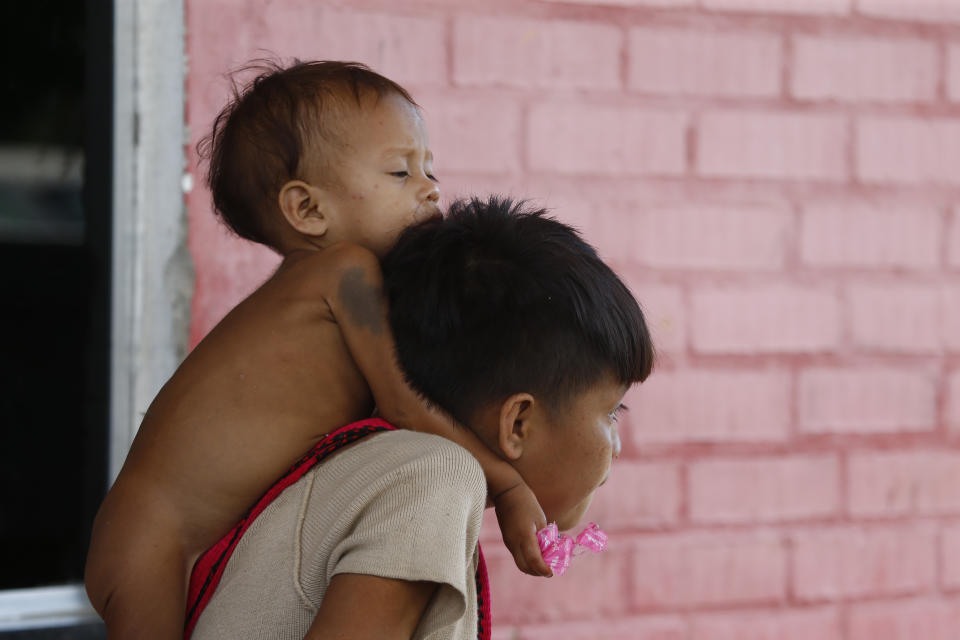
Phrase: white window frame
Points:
(152, 279)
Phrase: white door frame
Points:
(152, 272)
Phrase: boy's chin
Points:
(573, 517)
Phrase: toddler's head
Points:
(320, 152)
(508, 320)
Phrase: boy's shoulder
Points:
(405, 446)
(401, 467)
(401, 459)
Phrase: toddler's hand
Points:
(520, 517)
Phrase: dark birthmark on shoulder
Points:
(361, 300)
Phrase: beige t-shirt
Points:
(398, 504)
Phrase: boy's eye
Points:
(432, 177)
(400, 174)
(615, 414)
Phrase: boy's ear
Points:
(516, 424)
(303, 207)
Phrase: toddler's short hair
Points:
(497, 298)
(278, 127)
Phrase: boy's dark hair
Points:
(497, 298)
(259, 139)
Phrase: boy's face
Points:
(384, 175)
(569, 453)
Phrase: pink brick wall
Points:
(779, 183)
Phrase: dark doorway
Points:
(55, 247)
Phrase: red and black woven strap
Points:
(484, 623)
(209, 568)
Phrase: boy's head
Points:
(509, 321)
(319, 152)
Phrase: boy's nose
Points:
(616, 443)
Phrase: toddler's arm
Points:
(359, 307)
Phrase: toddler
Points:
(325, 163)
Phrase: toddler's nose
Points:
(616, 443)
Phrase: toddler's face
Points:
(385, 172)
(571, 457)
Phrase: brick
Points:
(710, 237)
(556, 54)
(819, 624)
(634, 628)
(953, 72)
(522, 599)
(866, 401)
(953, 402)
(837, 235)
(928, 619)
(459, 144)
(612, 230)
(637, 495)
(814, 7)
(606, 140)
(953, 240)
(915, 318)
(768, 489)
(901, 149)
(921, 10)
(409, 50)
(684, 62)
(708, 569)
(854, 562)
(868, 69)
(664, 312)
(950, 556)
(220, 37)
(766, 145)
(898, 483)
(899, 318)
(630, 3)
(711, 406)
(950, 323)
(764, 319)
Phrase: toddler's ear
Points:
(302, 206)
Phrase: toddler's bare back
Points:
(261, 389)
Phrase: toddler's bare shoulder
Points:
(325, 272)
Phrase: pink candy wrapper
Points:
(558, 549)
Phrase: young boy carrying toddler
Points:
(509, 321)
(325, 163)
